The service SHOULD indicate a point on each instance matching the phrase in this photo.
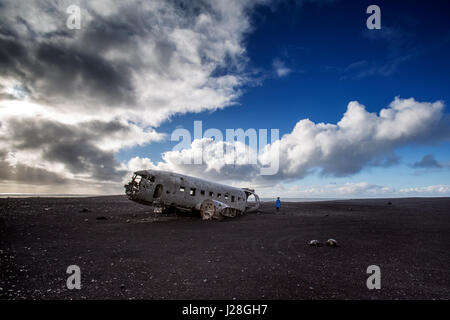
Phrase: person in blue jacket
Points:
(278, 204)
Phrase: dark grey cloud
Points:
(81, 156)
(13, 56)
(428, 161)
(75, 146)
(26, 174)
(72, 73)
(98, 64)
(349, 160)
(57, 72)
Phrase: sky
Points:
(360, 112)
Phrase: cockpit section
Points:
(140, 186)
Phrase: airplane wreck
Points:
(168, 190)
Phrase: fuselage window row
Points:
(192, 192)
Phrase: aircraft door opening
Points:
(158, 191)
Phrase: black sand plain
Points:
(124, 252)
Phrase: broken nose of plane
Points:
(132, 187)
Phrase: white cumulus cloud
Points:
(360, 139)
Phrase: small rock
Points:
(128, 220)
(315, 243)
(86, 220)
(332, 243)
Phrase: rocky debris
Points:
(315, 243)
(84, 210)
(332, 243)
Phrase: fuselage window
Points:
(239, 198)
(226, 197)
(211, 193)
(202, 192)
(192, 192)
(152, 179)
(219, 195)
(232, 198)
(181, 189)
